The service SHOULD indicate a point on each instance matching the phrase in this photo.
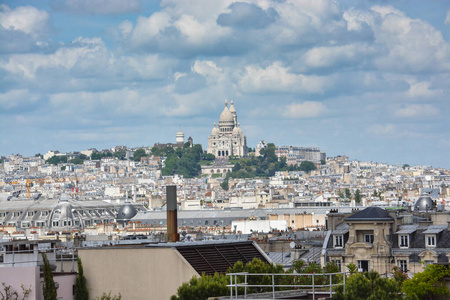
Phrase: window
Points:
(55, 223)
(338, 241)
(44, 213)
(430, 240)
(429, 262)
(368, 238)
(403, 241)
(30, 213)
(402, 265)
(337, 262)
(2, 215)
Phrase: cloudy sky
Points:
(367, 79)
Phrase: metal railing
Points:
(56, 257)
(313, 288)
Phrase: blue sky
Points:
(367, 79)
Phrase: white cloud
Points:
(422, 89)
(417, 111)
(17, 98)
(356, 19)
(447, 18)
(276, 78)
(26, 65)
(307, 109)
(386, 130)
(321, 57)
(101, 7)
(411, 45)
(206, 68)
(28, 19)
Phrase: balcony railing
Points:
(239, 283)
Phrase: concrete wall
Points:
(135, 273)
(26, 276)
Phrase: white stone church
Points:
(226, 138)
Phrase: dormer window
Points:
(338, 241)
(430, 240)
(403, 241)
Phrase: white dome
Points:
(215, 130)
(226, 116)
(232, 108)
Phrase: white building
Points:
(227, 138)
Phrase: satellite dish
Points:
(292, 245)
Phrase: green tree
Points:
(405, 166)
(54, 160)
(49, 288)
(352, 268)
(208, 156)
(203, 287)
(120, 154)
(76, 161)
(358, 196)
(81, 292)
(368, 285)
(348, 194)
(307, 166)
(429, 283)
(224, 185)
(138, 154)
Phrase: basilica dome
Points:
(226, 116)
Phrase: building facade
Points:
(379, 239)
(227, 138)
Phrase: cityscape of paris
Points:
(198, 149)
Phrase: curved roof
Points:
(370, 214)
(126, 212)
(424, 203)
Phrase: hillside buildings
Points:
(227, 139)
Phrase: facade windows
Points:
(430, 241)
(403, 265)
(16, 214)
(368, 238)
(2, 215)
(30, 213)
(403, 241)
(55, 223)
(338, 241)
(44, 213)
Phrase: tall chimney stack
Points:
(172, 224)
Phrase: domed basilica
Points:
(226, 138)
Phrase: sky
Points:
(366, 79)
